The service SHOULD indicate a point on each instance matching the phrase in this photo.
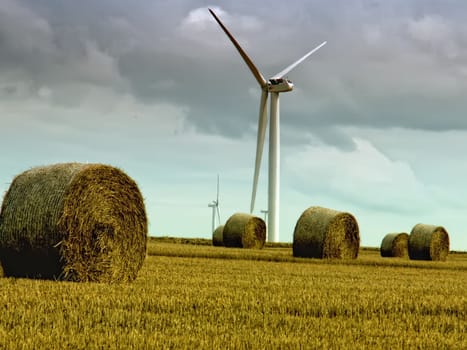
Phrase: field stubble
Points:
(189, 296)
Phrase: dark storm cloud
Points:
(387, 64)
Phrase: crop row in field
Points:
(187, 297)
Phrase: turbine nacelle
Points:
(279, 85)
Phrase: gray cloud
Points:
(387, 64)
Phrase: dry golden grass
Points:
(189, 296)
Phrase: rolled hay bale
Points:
(326, 233)
(395, 245)
(244, 231)
(72, 221)
(217, 236)
(428, 242)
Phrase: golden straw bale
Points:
(428, 242)
(244, 231)
(395, 245)
(326, 233)
(72, 221)
(217, 236)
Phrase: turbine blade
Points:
(218, 215)
(293, 65)
(259, 77)
(262, 123)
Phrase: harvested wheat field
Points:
(395, 245)
(244, 231)
(203, 297)
(326, 233)
(428, 242)
(72, 221)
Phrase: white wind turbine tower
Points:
(274, 85)
(215, 208)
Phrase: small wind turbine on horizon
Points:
(274, 85)
(215, 208)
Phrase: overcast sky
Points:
(376, 125)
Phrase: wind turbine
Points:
(274, 85)
(215, 207)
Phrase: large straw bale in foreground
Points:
(395, 245)
(80, 222)
(244, 231)
(326, 233)
(218, 237)
(428, 242)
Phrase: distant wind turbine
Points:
(215, 208)
(274, 85)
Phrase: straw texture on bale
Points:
(326, 233)
(72, 221)
(244, 231)
(428, 242)
(217, 236)
(395, 245)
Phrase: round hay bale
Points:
(395, 245)
(428, 242)
(72, 221)
(326, 233)
(244, 231)
(217, 236)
